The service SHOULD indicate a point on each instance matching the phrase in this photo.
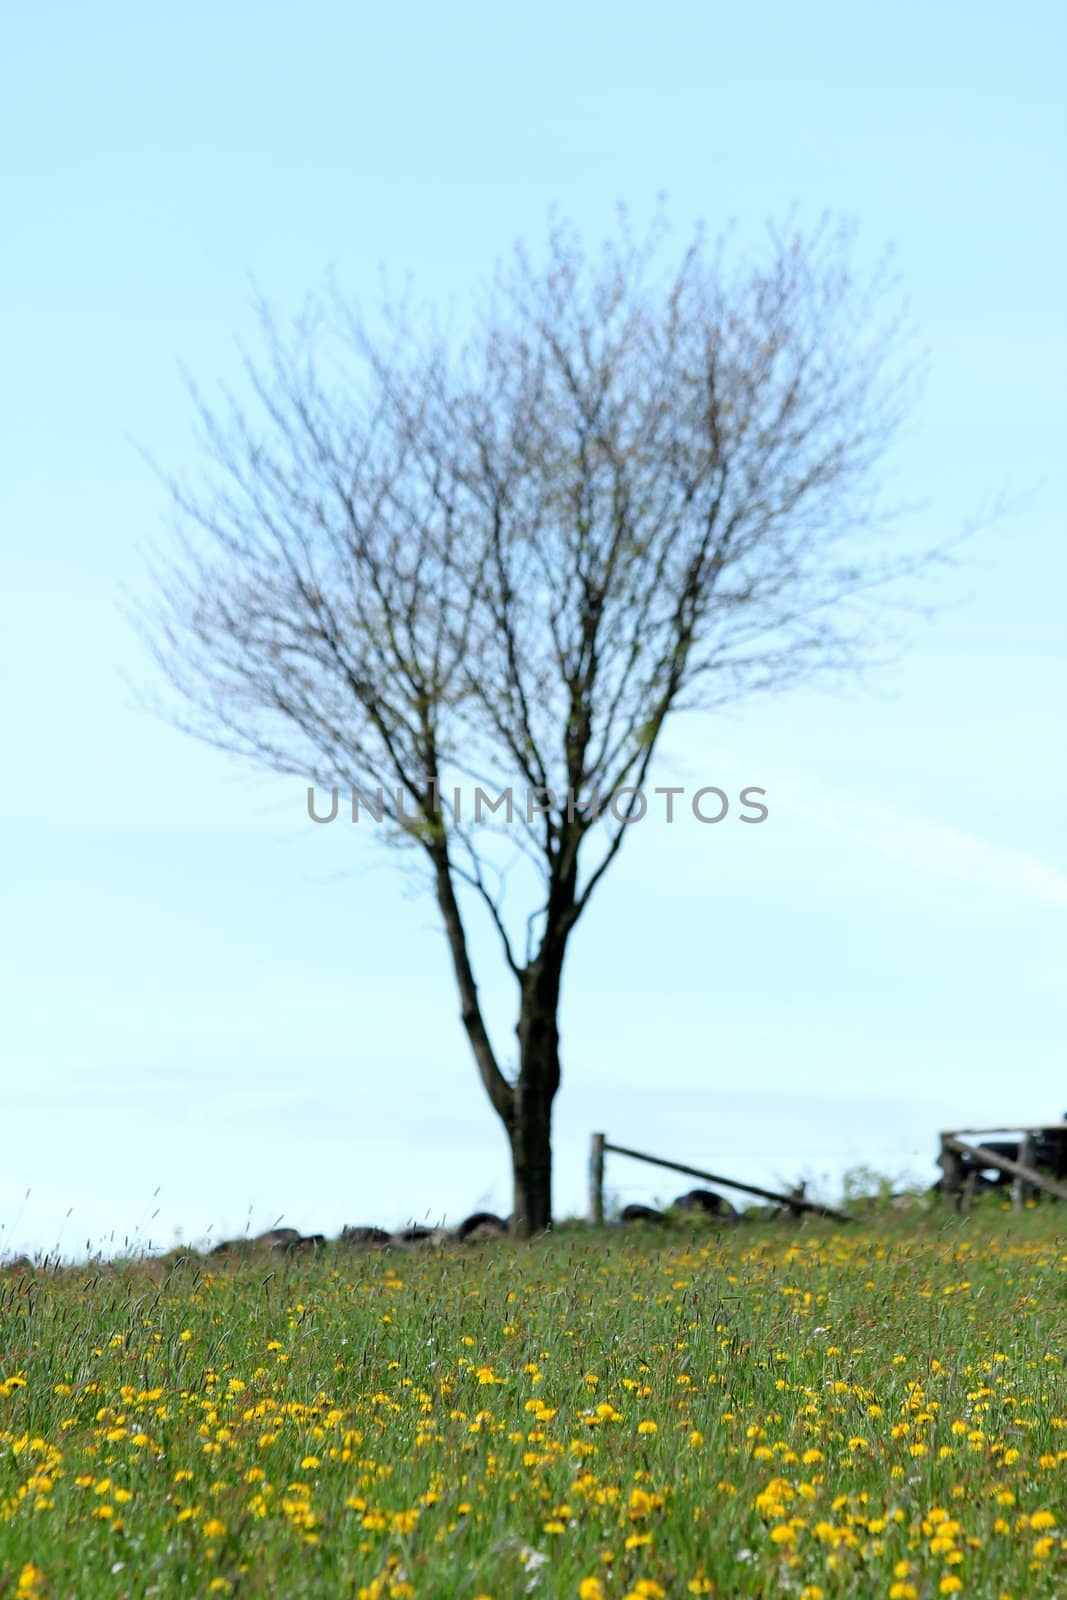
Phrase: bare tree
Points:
(509, 564)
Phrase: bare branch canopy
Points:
(626, 493)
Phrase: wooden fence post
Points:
(1020, 1189)
(596, 1179)
(952, 1174)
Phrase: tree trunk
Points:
(524, 1106)
(535, 1090)
(531, 1161)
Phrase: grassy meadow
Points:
(773, 1409)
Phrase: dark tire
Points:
(372, 1238)
(708, 1203)
(641, 1214)
(481, 1225)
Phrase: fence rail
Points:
(1007, 1127)
(600, 1146)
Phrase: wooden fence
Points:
(794, 1202)
(958, 1151)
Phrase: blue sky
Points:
(204, 996)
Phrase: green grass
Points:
(873, 1411)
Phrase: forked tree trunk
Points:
(524, 1106)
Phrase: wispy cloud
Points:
(929, 847)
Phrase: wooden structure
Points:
(961, 1159)
(794, 1202)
